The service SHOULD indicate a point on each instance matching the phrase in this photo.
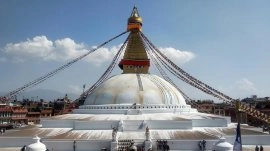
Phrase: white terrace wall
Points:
(251, 139)
(132, 125)
(15, 141)
(192, 145)
(87, 145)
(209, 122)
(97, 145)
(169, 124)
(47, 123)
(95, 125)
(129, 125)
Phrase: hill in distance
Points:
(45, 94)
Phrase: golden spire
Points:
(134, 21)
(135, 58)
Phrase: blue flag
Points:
(238, 141)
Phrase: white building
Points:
(135, 111)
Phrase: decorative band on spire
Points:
(135, 63)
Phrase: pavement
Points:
(11, 149)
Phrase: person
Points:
(167, 147)
(256, 148)
(23, 148)
(147, 134)
(200, 145)
(74, 145)
(203, 144)
(261, 148)
(114, 134)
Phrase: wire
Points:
(52, 73)
(105, 74)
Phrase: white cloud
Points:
(41, 48)
(38, 47)
(178, 56)
(246, 85)
(102, 55)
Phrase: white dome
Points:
(37, 146)
(135, 88)
(222, 145)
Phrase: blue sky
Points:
(223, 43)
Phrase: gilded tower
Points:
(135, 58)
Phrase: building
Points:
(33, 118)
(18, 116)
(12, 116)
(29, 112)
(5, 116)
(135, 110)
(260, 104)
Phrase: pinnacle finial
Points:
(135, 12)
(134, 21)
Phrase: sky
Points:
(222, 43)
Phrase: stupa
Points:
(135, 110)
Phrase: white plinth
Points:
(148, 145)
(114, 146)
